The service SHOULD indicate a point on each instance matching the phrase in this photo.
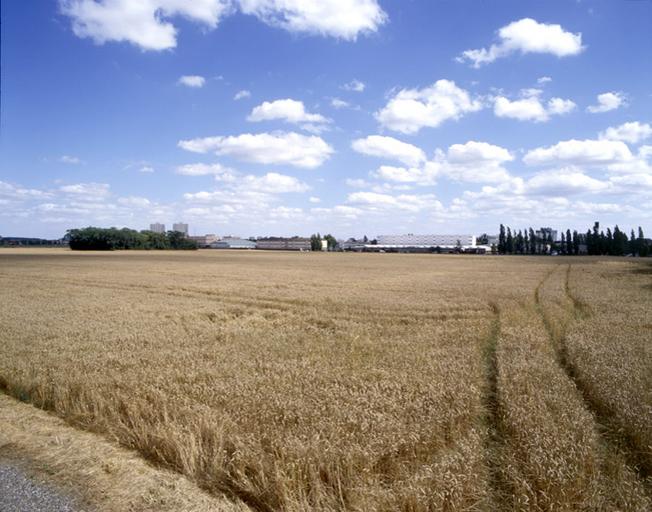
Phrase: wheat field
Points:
(348, 382)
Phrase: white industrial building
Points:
(425, 241)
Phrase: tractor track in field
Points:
(494, 439)
(615, 438)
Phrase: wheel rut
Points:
(615, 438)
(494, 439)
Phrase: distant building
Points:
(180, 227)
(492, 240)
(233, 243)
(205, 240)
(283, 244)
(352, 245)
(544, 233)
(425, 241)
(157, 227)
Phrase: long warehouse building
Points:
(425, 241)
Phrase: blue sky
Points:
(281, 117)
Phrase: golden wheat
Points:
(319, 381)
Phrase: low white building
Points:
(426, 241)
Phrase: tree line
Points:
(110, 239)
(594, 242)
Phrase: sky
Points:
(353, 117)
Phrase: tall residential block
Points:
(157, 227)
(181, 227)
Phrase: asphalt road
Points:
(19, 492)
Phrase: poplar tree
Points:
(501, 240)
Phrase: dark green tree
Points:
(533, 242)
(509, 242)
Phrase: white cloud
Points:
(476, 162)
(607, 101)
(564, 182)
(314, 200)
(343, 19)
(478, 153)
(338, 103)
(244, 93)
(266, 148)
(580, 152)
(632, 133)
(195, 81)
(406, 202)
(531, 108)
(146, 169)
(354, 85)
(67, 159)
(274, 183)
(389, 147)
(544, 80)
(88, 190)
(559, 106)
(15, 192)
(135, 201)
(527, 36)
(527, 109)
(420, 176)
(220, 172)
(288, 110)
(141, 23)
(412, 109)
(146, 23)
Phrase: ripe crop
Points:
(289, 381)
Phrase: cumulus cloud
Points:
(354, 85)
(147, 23)
(274, 183)
(632, 133)
(580, 152)
(543, 80)
(559, 106)
(412, 109)
(266, 148)
(314, 200)
(389, 147)
(531, 108)
(146, 169)
(526, 36)
(240, 95)
(288, 110)
(343, 19)
(564, 182)
(144, 24)
(194, 81)
(607, 101)
(475, 162)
